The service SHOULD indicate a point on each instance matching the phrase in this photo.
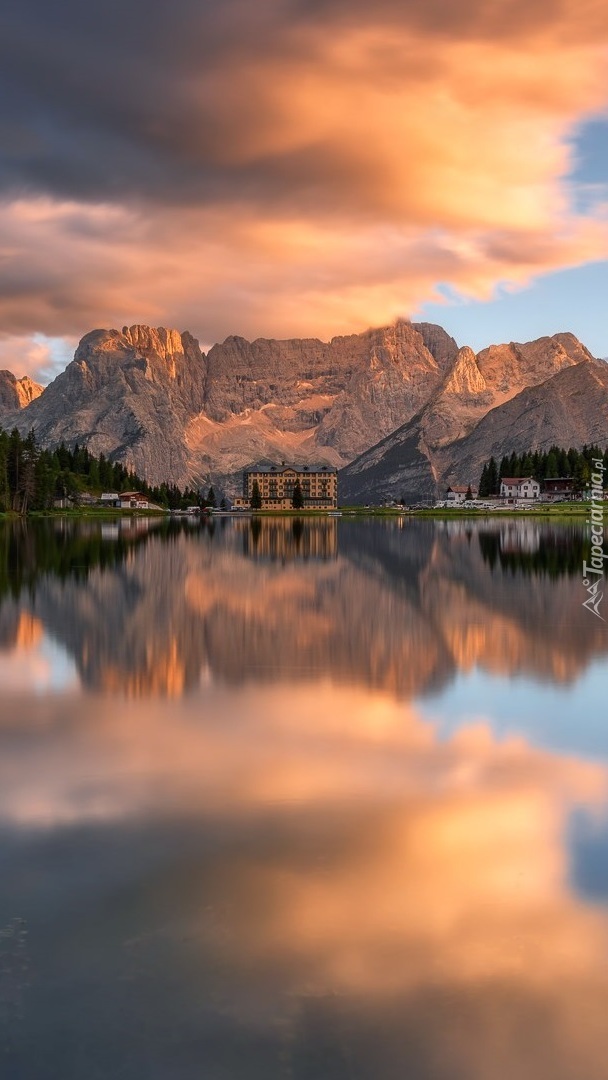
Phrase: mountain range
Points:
(400, 410)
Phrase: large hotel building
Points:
(276, 483)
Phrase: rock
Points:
(16, 393)
(489, 404)
(152, 399)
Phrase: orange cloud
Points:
(324, 181)
(389, 866)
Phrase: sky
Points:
(301, 167)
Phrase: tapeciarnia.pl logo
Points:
(593, 571)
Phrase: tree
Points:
(256, 498)
(211, 499)
(469, 494)
(483, 483)
(493, 481)
(552, 469)
(297, 500)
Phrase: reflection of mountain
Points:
(394, 605)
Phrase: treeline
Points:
(32, 478)
(556, 462)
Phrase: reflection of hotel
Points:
(287, 539)
(276, 483)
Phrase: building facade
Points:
(457, 494)
(519, 487)
(559, 487)
(276, 484)
(127, 500)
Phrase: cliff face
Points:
(16, 393)
(152, 399)
(127, 394)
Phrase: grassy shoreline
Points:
(563, 510)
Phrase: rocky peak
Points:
(438, 342)
(17, 393)
(158, 343)
(465, 377)
(509, 368)
(27, 390)
(161, 356)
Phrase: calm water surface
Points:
(312, 800)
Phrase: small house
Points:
(133, 500)
(519, 487)
(559, 487)
(457, 493)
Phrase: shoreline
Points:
(567, 510)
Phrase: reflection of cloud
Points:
(33, 662)
(337, 161)
(349, 859)
(250, 748)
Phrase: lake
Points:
(312, 799)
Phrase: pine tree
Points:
(552, 464)
(256, 498)
(493, 480)
(297, 500)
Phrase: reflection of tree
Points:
(69, 549)
(560, 553)
(255, 529)
(297, 529)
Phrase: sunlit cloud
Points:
(307, 170)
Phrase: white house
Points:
(519, 487)
(456, 494)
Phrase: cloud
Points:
(287, 168)
(37, 356)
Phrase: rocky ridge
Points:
(17, 393)
(396, 408)
(153, 399)
(509, 397)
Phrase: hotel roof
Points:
(291, 468)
